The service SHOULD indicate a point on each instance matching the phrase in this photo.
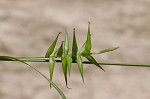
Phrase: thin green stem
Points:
(43, 59)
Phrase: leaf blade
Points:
(53, 84)
(93, 61)
(107, 50)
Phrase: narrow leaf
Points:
(74, 47)
(53, 84)
(107, 50)
(51, 67)
(52, 47)
(80, 66)
(69, 63)
(93, 61)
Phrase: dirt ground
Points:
(28, 26)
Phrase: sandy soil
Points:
(28, 26)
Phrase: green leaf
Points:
(64, 66)
(53, 84)
(69, 63)
(51, 67)
(52, 47)
(59, 51)
(107, 50)
(74, 47)
(66, 43)
(80, 66)
(93, 61)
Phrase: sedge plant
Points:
(67, 58)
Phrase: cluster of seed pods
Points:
(75, 56)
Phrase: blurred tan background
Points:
(28, 26)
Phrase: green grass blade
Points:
(53, 84)
(69, 63)
(51, 67)
(80, 66)
(59, 51)
(64, 66)
(74, 47)
(92, 60)
(107, 50)
(52, 47)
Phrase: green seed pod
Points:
(86, 48)
(80, 66)
(59, 51)
(74, 47)
(69, 63)
(64, 66)
(66, 43)
(51, 67)
(82, 50)
(88, 41)
(52, 47)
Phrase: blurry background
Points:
(27, 27)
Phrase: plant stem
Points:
(43, 59)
